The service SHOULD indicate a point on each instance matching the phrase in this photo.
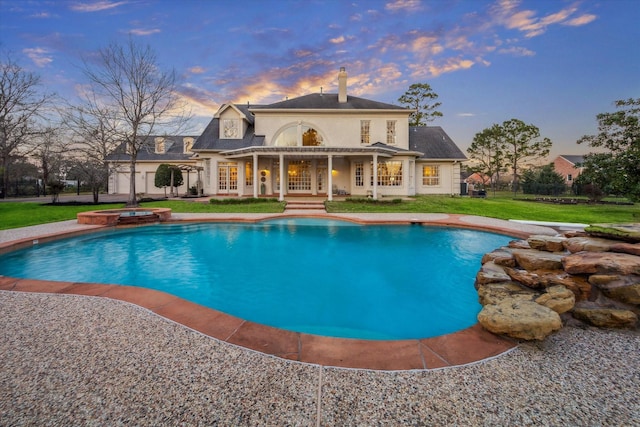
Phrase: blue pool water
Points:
(323, 277)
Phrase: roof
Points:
(434, 142)
(210, 138)
(174, 149)
(328, 101)
(572, 159)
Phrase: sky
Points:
(551, 63)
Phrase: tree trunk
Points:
(133, 199)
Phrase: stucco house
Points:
(323, 145)
(565, 165)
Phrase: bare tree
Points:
(49, 152)
(21, 103)
(94, 135)
(132, 98)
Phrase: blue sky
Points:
(554, 64)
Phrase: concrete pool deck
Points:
(72, 359)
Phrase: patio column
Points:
(329, 177)
(282, 183)
(256, 179)
(375, 176)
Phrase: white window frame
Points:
(391, 132)
(365, 132)
(433, 178)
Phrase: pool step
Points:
(305, 206)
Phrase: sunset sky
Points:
(554, 64)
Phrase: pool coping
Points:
(463, 347)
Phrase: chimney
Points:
(342, 86)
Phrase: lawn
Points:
(503, 206)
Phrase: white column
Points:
(256, 178)
(282, 183)
(329, 177)
(375, 176)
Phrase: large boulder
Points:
(587, 243)
(532, 260)
(502, 256)
(627, 232)
(606, 317)
(494, 293)
(626, 248)
(601, 263)
(525, 320)
(547, 243)
(625, 289)
(557, 298)
(491, 273)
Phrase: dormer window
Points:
(160, 147)
(231, 128)
(188, 143)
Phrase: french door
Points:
(227, 178)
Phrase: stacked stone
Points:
(528, 287)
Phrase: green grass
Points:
(503, 206)
(500, 206)
(23, 214)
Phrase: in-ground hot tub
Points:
(112, 217)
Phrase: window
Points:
(569, 178)
(391, 132)
(431, 175)
(298, 135)
(389, 174)
(188, 143)
(248, 174)
(160, 145)
(299, 175)
(231, 128)
(359, 166)
(364, 131)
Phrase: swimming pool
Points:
(330, 278)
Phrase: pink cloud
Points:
(96, 6)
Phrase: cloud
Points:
(581, 20)
(506, 13)
(41, 15)
(96, 6)
(337, 40)
(144, 32)
(38, 55)
(466, 114)
(516, 51)
(436, 68)
(403, 5)
(197, 70)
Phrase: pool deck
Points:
(80, 353)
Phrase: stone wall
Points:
(529, 288)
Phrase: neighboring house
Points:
(565, 165)
(155, 150)
(324, 145)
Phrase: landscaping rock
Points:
(627, 232)
(625, 289)
(601, 263)
(547, 243)
(532, 260)
(519, 244)
(586, 243)
(557, 298)
(501, 256)
(606, 317)
(525, 320)
(494, 293)
(627, 248)
(527, 278)
(491, 273)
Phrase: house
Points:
(565, 165)
(154, 151)
(324, 144)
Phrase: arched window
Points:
(298, 135)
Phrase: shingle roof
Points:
(210, 138)
(573, 159)
(174, 149)
(434, 142)
(328, 101)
